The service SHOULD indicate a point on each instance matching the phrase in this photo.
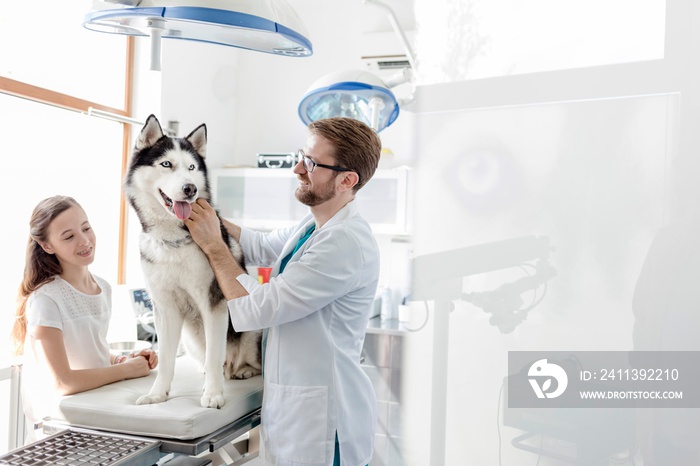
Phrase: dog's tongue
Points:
(182, 210)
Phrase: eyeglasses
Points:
(310, 165)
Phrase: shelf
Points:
(263, 199)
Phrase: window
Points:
(49, 58)
(475, 39)
(45, 45)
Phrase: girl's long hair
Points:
(40, 267)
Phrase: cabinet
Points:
(263, 198)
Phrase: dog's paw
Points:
(245, 372)
(229, 373)
(212, 400)
(151, 399)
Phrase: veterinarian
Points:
(63, 312)
(319, 407)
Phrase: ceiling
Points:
(377, 21)
(374, 19)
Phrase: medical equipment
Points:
(361, 94)
(74, 447)
(271, 26)
(179, 425)
(438, 276)
(353, 94)
(143, 310)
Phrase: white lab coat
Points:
(317, 312)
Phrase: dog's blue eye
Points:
(166, 164)
(192, 167)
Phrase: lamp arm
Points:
(402, 76)
(397, 29)
(156, 38)
(376, 104)
(404, 102)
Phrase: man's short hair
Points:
(357, 146)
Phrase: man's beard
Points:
(316, 195)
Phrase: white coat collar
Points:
(346, 212)
(289, 246)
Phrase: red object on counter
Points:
(264, 274)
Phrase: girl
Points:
(64, 311)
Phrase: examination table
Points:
(179, 426)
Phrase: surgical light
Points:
(355, 94)
(270, 26)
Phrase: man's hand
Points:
(204, 227)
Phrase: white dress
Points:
(84, 321)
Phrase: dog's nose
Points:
(190, 190)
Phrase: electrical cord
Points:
(425, 322)
(535, 300)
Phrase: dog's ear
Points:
(198, 139)
(150, 133)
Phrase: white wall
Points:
(249, 100)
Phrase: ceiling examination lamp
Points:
(355, 94)
(270, 26)
(359, 94)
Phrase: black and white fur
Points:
(165, 175)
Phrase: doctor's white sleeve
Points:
(263, 249)
(330, 268)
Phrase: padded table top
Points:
(113, 407)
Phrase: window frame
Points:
(68, 102)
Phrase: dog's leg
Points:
(215, 328)
(193, 339)
(168, 322)
(247, 361)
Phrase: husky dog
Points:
(164, 177)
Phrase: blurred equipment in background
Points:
(281, 160)
(143, 310)
(264, 274)
(439, 277)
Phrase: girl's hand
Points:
(150, 356)
(137, 367)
